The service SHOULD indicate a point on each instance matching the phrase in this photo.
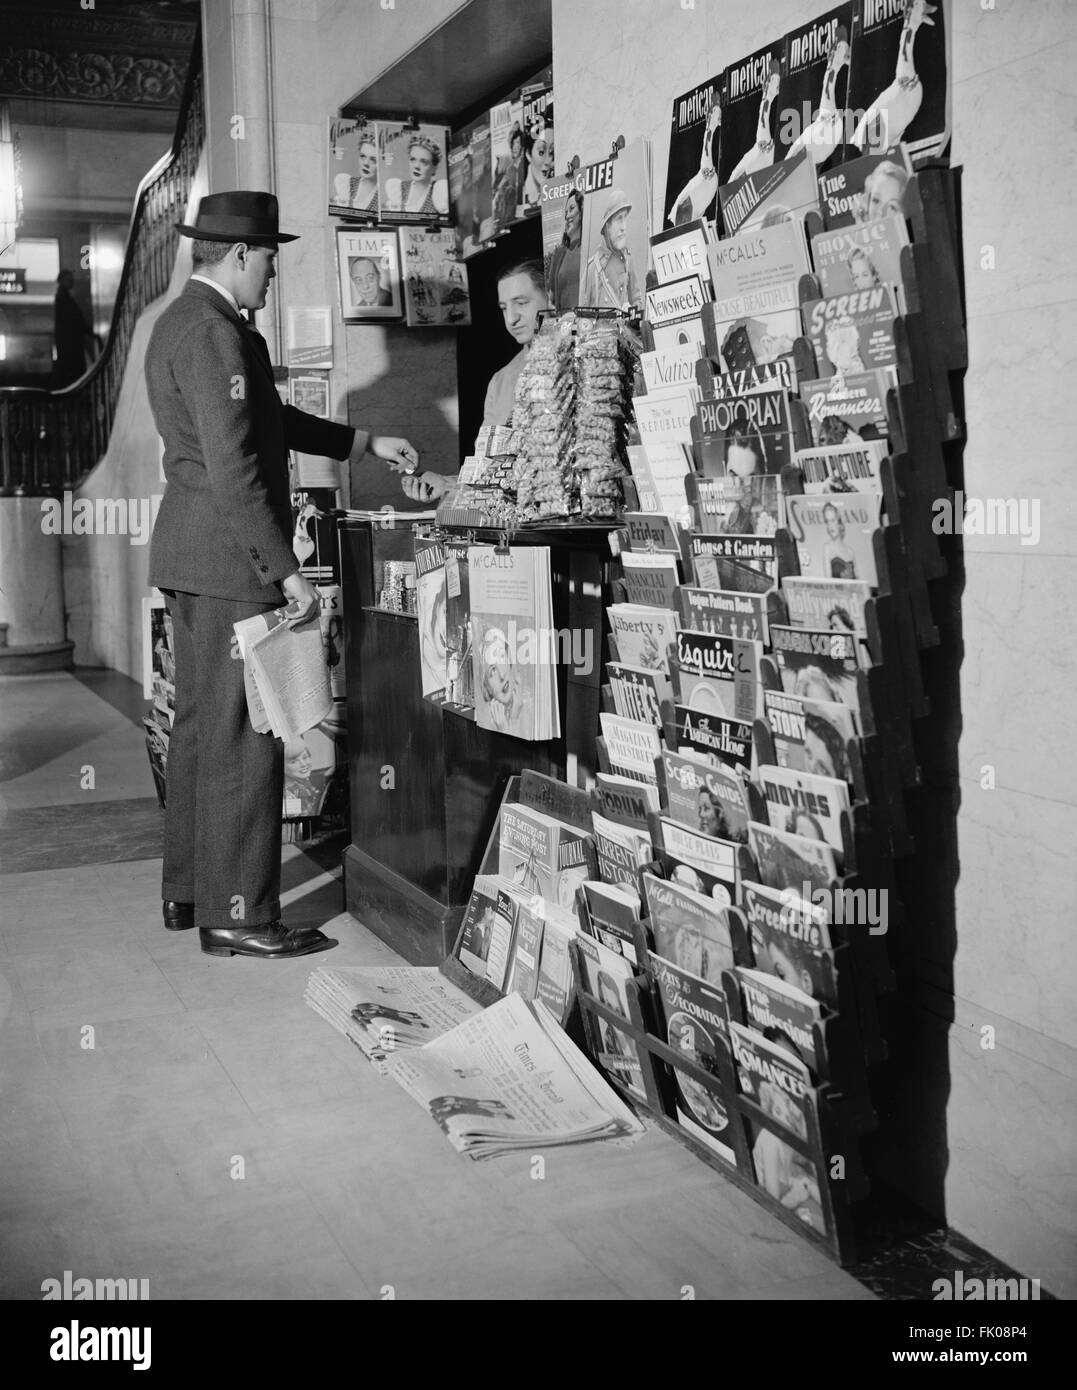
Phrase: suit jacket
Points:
(224, 527)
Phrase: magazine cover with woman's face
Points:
(413, 172)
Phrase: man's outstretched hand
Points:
(401, 456)
(427, 487)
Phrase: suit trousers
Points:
(224, 781)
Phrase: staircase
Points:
(51, 440)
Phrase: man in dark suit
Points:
(222, 552)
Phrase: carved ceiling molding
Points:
(118, 79)
(92, 29)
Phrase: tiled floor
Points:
(188, 1120)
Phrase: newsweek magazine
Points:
(696, 1025)
(821, 603)
(842, 467)
(413, 172)
(852, 332)
(694, 141)
(508, 1078)
(865, 189)
(737, 563)
(860, 257)
(688, 928)
(777, 193)
(848, 409)
(821, 664)
(751, 101)
(815, 87)
(900, 84)
(788, 860)
(810, 735)
(731, 615)
(834, 535)
(782, 928)
(604, 975)
(673, 312)
(797, 800)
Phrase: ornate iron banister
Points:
(50, 440)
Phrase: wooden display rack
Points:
(851, 1039)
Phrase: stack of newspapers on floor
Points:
(495, 1080)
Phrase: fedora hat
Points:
(241, 215)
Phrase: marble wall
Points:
(1008, 1116)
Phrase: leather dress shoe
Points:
(178, 916)
(271, 940)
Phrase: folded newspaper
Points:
(509, 1078)
(385, 1008)
(284, 673)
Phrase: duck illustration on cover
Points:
(761, 153)
(697, 195)
(892, 112)
(825, 133)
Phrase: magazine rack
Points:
(852, 1037)
(924, 433)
